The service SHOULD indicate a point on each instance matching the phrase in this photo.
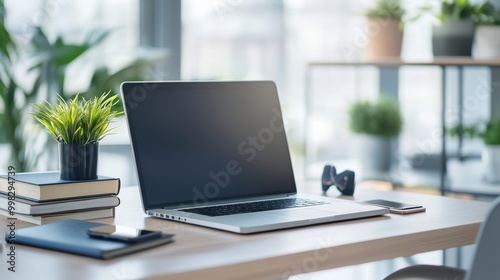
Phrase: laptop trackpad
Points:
(303, 213)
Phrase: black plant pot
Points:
(453, 38)
(78, 162)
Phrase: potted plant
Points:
(378, 121)
(489, 132)
(487, 35)
(78, 126)
(454, 35)
(385, 36)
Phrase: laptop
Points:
(215, 154)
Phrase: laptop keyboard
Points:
(250, 207)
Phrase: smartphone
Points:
(396, 207)
(123, 233)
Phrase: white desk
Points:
(203, 253)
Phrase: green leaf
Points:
(40, 40)
(65, 54)
(6, 42)
(491, 135)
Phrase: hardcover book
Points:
(28, 207)
(51, 218)
(47, 186)
(71, 236)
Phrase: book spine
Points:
(119, 186)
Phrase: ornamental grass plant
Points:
(78, 121)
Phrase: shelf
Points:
(396, 62)
(389, 85)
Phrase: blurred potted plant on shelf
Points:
(454, 35)
(489, 132)
(47, 76)
(378, 121)
(487, 35)
(78, 126)
(385, 19)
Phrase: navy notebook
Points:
(71, 236)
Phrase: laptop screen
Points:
(198, 142)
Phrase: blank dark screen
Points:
(196, 142)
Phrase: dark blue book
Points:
(48, 186)
(71, 236)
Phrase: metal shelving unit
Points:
(389, 82)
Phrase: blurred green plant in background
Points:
(381, 117)
(49, 61)
(386, 9)
(488, 131)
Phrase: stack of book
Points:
(42, 197)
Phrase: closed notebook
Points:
(71, 236)
(46, 186)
